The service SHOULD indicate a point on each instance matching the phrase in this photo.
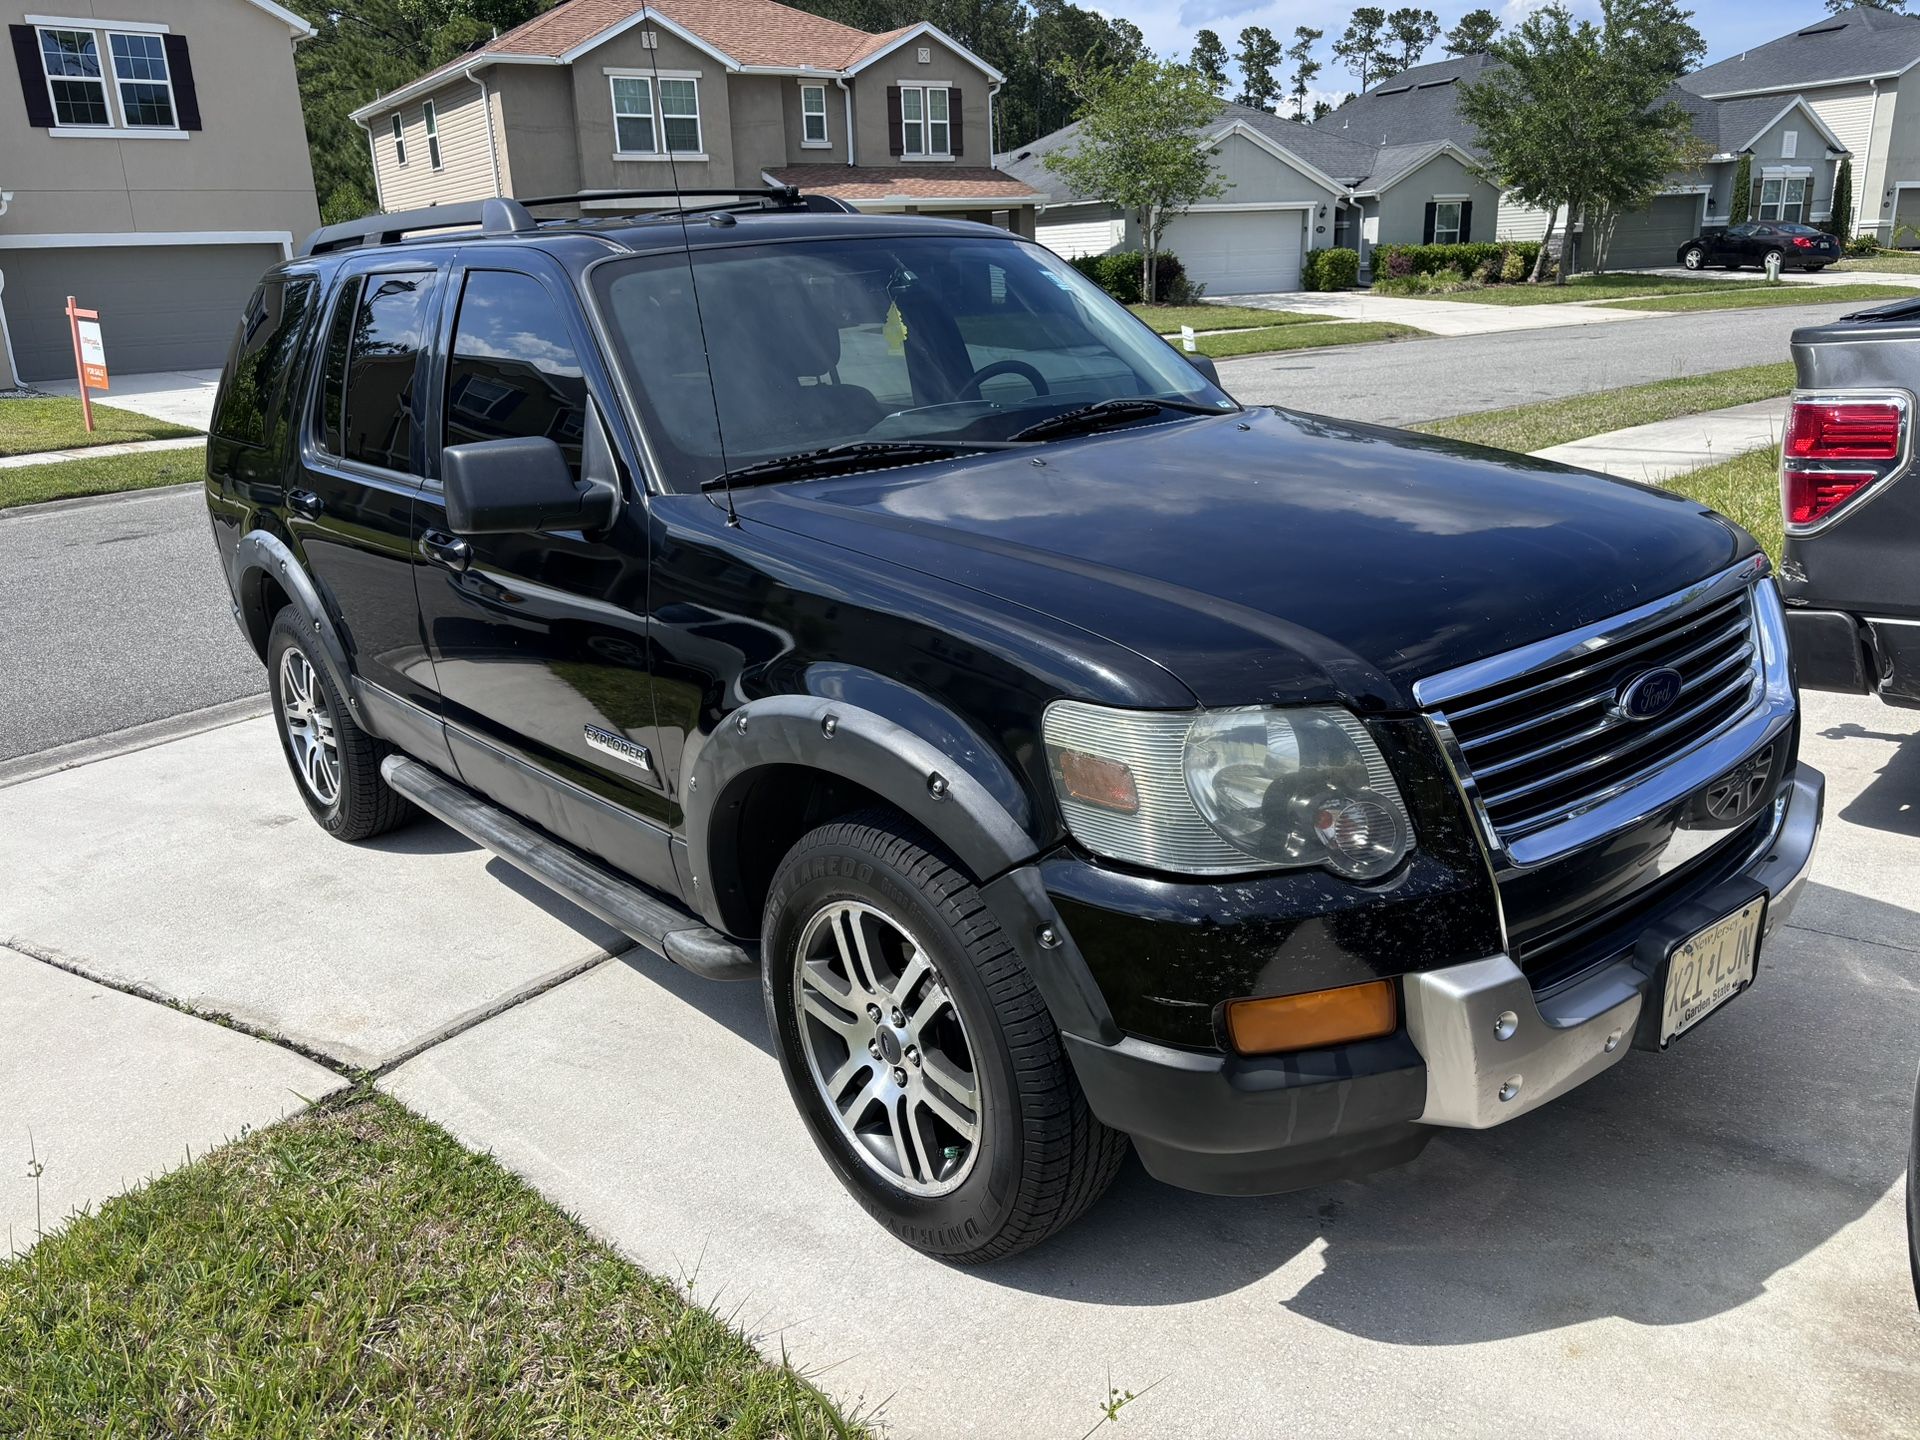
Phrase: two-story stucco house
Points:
(153, 162)
(700, 94)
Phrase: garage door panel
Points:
(1239, 252)
(162, 307)
(1653, 236)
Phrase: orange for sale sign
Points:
(93, 354)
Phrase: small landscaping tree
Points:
(1740, 203)
(1137, 148)
(1842, 220)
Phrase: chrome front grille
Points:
(1546, 739)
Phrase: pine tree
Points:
(1842, 221)
(1305, 67)
(1210, 59)
(1259, 53)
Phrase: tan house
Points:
(702, 94)
(153, 161)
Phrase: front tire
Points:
(335, 764)
(918, 1051)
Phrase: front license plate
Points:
(1710, 967)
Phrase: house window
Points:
(1789, 143)
(433, 134)
(1446, 222)
(140, 71)
(638, 130)
(72, 62)
(923, 121)
(813, 115)
(1781, 198)
(399, 142)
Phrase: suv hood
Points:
(1272, 556)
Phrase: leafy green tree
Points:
(1136, 148)
(1575, 113)
(1413, 30)
(1210, 59)
(1306, 69)
(1259, 52)
(1842, 219)
(1740, 203)
(1473, 34)
(1362, 46)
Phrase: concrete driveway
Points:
(1706, 1243)
(184, 397)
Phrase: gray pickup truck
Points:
(1848, 572)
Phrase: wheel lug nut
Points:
(913, 1055)
(899, 1076)
(873, 1048)
(873, 1013)
(897, 1018)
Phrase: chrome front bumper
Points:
(1494, 1050)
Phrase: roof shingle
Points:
(1857, 42)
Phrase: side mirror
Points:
(521, 485)
(1204, 364)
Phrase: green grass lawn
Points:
(1167, 319)
(1732, 297)
(1745, 489)
(100, 475)
(1887, 262)
(354, 1271)
(49, 423)
(1555, 422)
(1302, 337)
(1585, 288)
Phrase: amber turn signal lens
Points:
(1306, 1022)
(1095, 780)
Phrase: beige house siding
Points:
(466, 160)
(539, 152)
(902, 67)
(593, 115)
(758, 122)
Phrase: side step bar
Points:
(657, 923)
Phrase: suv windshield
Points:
(821, 343)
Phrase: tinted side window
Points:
(333, 375)
(378, 351)
(513, 371)
(267, 342)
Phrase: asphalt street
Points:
(115, 615)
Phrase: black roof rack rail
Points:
(495, 216)
(773, 197)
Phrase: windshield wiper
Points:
(1102, 413)
(843, 459)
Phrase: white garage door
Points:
(1239, 252)
(1074, 238)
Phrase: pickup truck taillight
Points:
(1836, 449)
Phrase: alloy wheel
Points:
(309, 723)
(887, 1049)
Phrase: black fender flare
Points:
(262, 553)
(906, 769)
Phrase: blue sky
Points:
(1169, 24)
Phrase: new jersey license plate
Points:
(1710, 967)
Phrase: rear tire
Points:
(954, 1118)
(1693, 258)
(335, 764)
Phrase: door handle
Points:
(305, 502)
(447, 551)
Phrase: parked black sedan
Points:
(1800, 247)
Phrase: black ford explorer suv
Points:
(868, 606)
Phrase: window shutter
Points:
(896, 138)
(186, 98)
(1466, 221)
(1426, 234)
(953, 123)
(33, 80)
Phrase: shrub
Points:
(1119, 275)
(1432, 282)
(1331, 269)
(1515, 268)
(1864, 244)
(1467, 259)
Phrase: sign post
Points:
(89, 355)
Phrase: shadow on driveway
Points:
(1891, 801)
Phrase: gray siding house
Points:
(703, 94)
(153, 161)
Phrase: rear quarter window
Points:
(266, 345)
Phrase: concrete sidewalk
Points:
(1437, 317)
(1657, 452)
(99, 452)
(1708, 1242)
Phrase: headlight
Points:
(1227, 791)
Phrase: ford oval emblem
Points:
(1650, 693)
